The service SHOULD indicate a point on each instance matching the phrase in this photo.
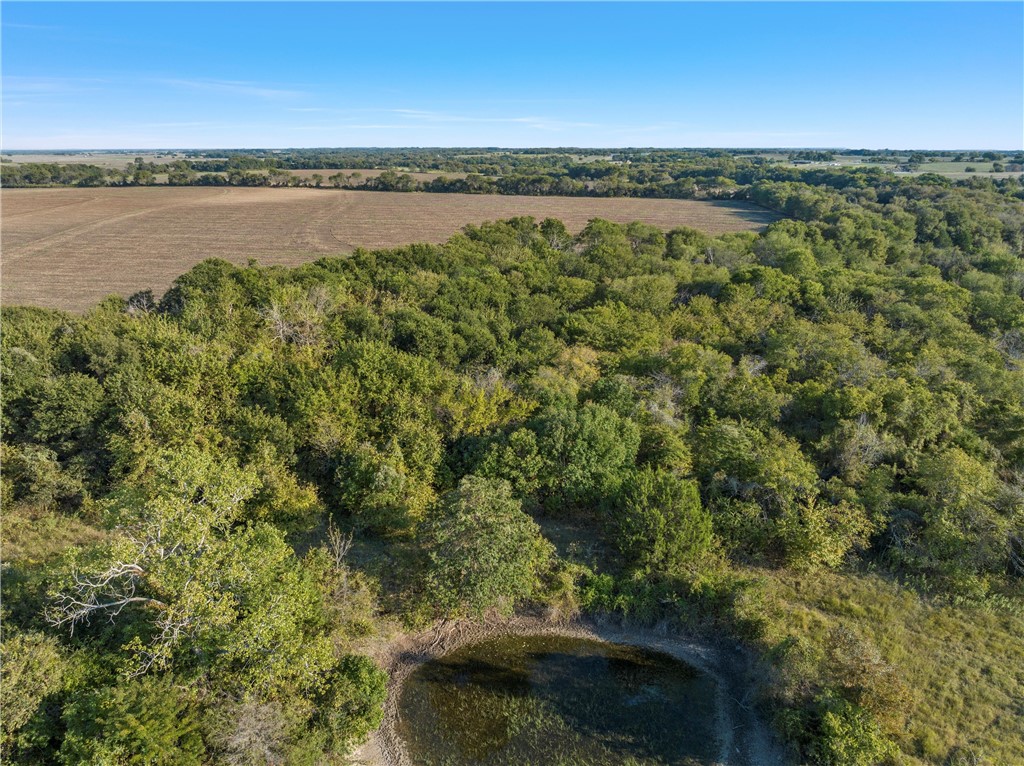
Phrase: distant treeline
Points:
(52, 174)
(674, 174)
(656, 173)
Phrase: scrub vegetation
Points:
(807, 439)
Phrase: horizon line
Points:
(79, 150)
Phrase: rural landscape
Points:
(71, 247)
(487, 449)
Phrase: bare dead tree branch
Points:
(105, 593)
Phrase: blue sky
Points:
(208, 75)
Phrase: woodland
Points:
(807, 442)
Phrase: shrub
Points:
(353, 704)
(659, 523)
(31, 670)
(848, 736)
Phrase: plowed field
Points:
(68, 248)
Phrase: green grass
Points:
(30, 540)
(981, 166)
(945, 167)
(30, 536)
(964, 666)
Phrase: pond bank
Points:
(745, 739)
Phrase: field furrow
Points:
(69, 248)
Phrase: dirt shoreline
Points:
(744, 737)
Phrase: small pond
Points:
(557, 701)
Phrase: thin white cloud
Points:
(335, 110)
(42, 27)
(25, 86)
(442, 117)
(350, 126)
(688, 134)
(773, 135)
(422, 119)
(184, 125)
(381, 127)
(558, 125)
(234, 87)
(653, 128)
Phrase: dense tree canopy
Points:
(625, 419)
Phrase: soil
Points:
(70, 248)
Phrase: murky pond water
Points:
(557, 701)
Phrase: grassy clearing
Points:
(29, 536)
(964, 666)
(118, 160)
(963, 176)
(944, 167)
(30, 540)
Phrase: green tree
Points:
(587, 453)
(659, 523)
(846, 735)
(515, 459)
(149, 721)
(483, 551)
(379, 492)
(34, 475)
(31, 669)
(352, 704)
(964, 536)
(192, 583)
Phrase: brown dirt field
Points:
(69, 248)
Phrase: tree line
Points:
(673, 174)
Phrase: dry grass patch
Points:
(964, 666)
(31, 535)
(119, 160)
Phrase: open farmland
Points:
(308, 173)
(68, 248)
(119, 160)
